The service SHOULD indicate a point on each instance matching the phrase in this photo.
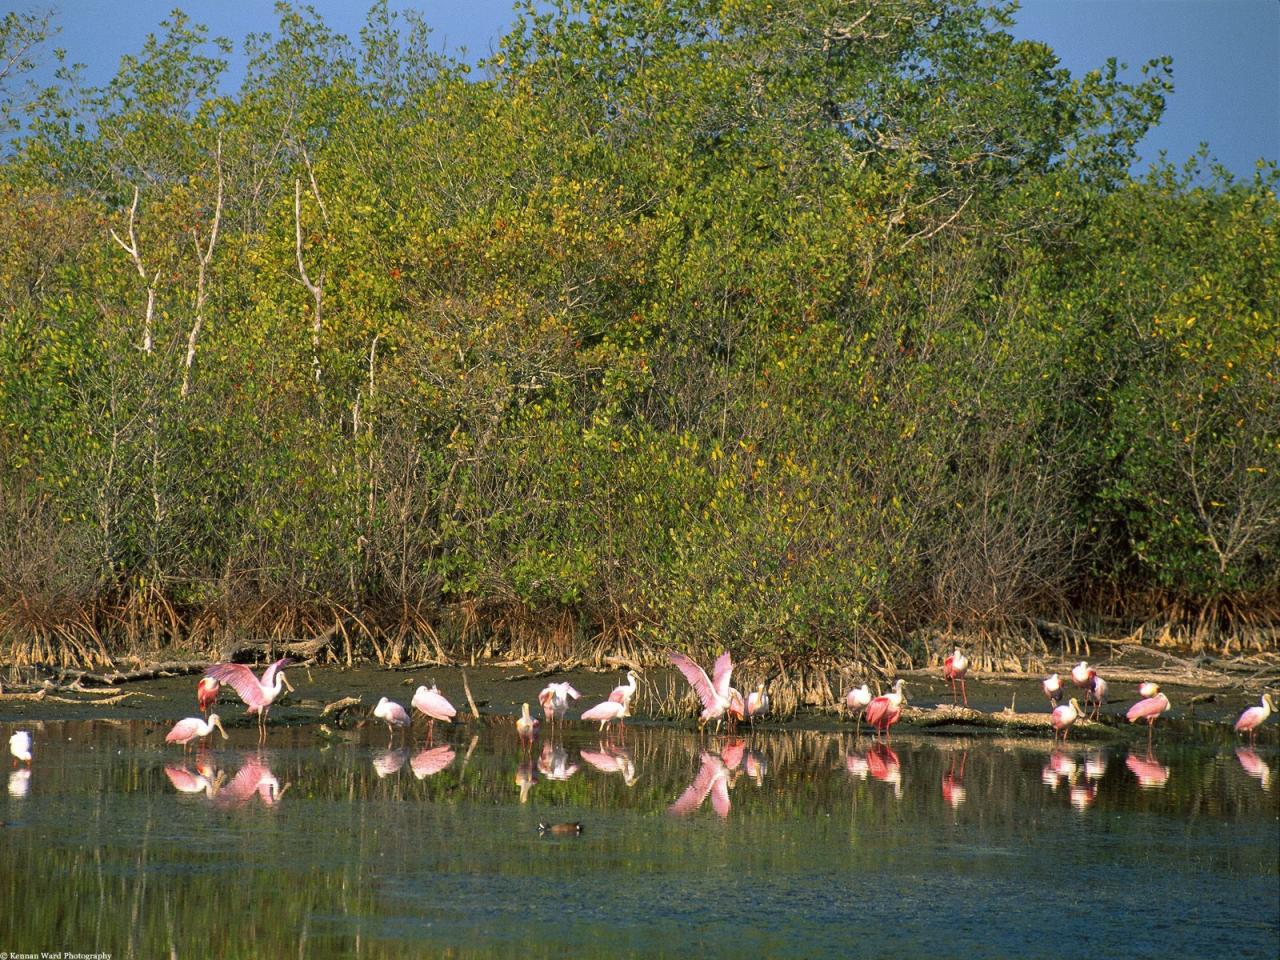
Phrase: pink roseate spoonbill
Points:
(1082, 675)
(884, 766)
(712, 779)
(1254, 766)
(857, 700)
(526, 726)
(207, 693)
(1148, 689)
(1255, 717)
(428, 762)
(553, 763)
(1148, 709)
(555, 699)
(623, 692)
(201, 780)
(388, 762)
(430, 702)
(757, 704)
(606, 712)
(954, 669)
(610, 759)
(737, 710)
(258, 695)
(1063, 718)
(194, 728)
(1097, 692)
(1052, 686)
(886, 710)
(393, 715)
(714, 694)
(20, 747)
(1151, 774)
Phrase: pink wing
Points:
(241, 679)
(733, 753)
(1150, 707)
(183, 730)
(876, 711)
(697, 678)
(617, 696)
(269, 675)
(1059, 716)
(184, 779)
(609, 710)
(696, 792)
(545, 696)
(721, 672)
(434, 705)
(720, 796)
(396, 714)
(572, 693)
(1251, 718)
(601, 761)
(430, 762)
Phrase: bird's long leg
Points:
(965, 692)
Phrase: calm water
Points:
(796, 844)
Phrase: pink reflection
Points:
(429, 762)
(1254, 766)
(1151, 774)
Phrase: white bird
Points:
(623, 692)
(1052, 687)
(757, 703)
(194, 728)
(714, 694)
(606, 712)
(393, 715)
(555, 699)
(20, 747)
(526, 726)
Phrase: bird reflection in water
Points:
(1254, 766)
(253, 778)
(388, 762)
(1083, 795)
(1151, 773)
(953, 781)
(553, 763)
(883, 765)
(428, 762)
(203, 779)
(1095, 766)
(526, 778)
(20, 782)
(712, 780)
(1060, 766)
(611, 758)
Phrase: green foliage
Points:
(764, 325)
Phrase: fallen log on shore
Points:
(1007, 719)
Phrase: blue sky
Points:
(1226, 53)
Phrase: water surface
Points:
(788, 844)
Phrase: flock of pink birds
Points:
(721, 703)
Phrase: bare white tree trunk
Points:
(204, 256)
(316, 290)
(131, 248)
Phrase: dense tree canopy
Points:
(787, 326)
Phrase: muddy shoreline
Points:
(1010, 704)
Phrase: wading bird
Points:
(757, 704)
(954, 669)
(623, 692)
(393, 715)
(258, 695)
(1255, 717)
(1148, 689)
(20, 747)
(430, 702)
(1052, 687)
(1097, 692)
(194, 728)
(526, 726)
(1148, 709)
(555, 699)
(886, 710)
(207, 693)
(1064, 717)
(714, 694)
(606, 712)
(1082, 675)
(856, 700)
